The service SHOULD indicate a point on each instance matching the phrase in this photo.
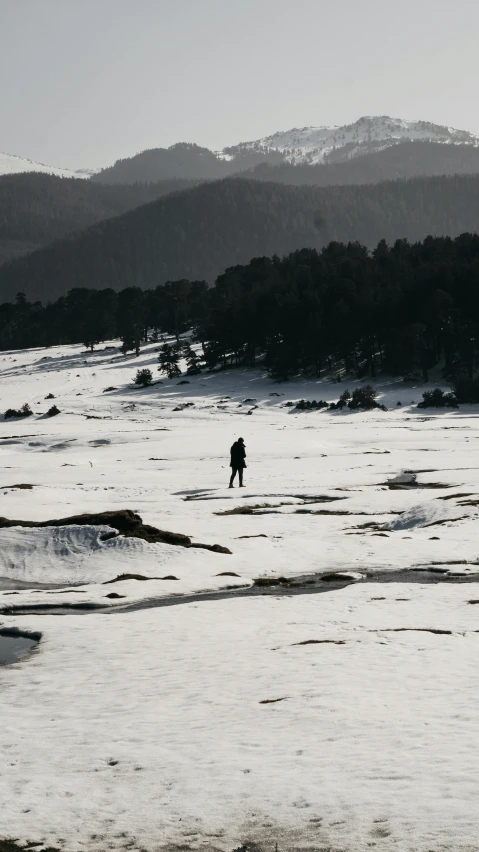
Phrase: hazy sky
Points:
(84, 82)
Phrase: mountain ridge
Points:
(369, 133)
(307, 145)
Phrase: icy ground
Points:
(345, 719)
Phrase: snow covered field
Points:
(345, 718)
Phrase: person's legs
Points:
(233, 474)
(240, 474)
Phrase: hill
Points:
(183, 160)
(405, 160)
(36, 209)
(199, 232)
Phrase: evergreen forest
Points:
(401, 309)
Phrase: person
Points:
(237, 463)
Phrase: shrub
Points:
(310, 405)
(143, 378)
(438, 399)
(50, 396)
(53, 411)
(342, 401)
(363, 398)
(24, 411)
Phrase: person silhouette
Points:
(237, 463)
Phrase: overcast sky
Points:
(84, 82)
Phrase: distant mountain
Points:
(10, 164)
(36, 209)
(366, 136)
(299, 146)
(311, 146)
(199, 232)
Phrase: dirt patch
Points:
(115, 595)
(141, 577)
(394, 486)
(259, 509)
(128, 524)
(227, 574)
(328, 512)
(122, 577)
(13, 846)
(273, 700)
(454, 496)
(215, 548)
(22, 486)
(259, 535)
(434, 630)
(320, 642)
(23, 609)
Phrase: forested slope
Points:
(406, 160)
(197, 233)
(36, 208)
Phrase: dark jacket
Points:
(238, 455)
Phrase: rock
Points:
(216, 548)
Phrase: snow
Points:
(10, 164)
(344, 718)
(370, 133)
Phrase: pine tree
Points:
(143, 378)
(193, 361)
(168, 360)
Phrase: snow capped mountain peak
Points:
(10, 164)
(366, 135)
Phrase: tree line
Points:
(401, 309)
